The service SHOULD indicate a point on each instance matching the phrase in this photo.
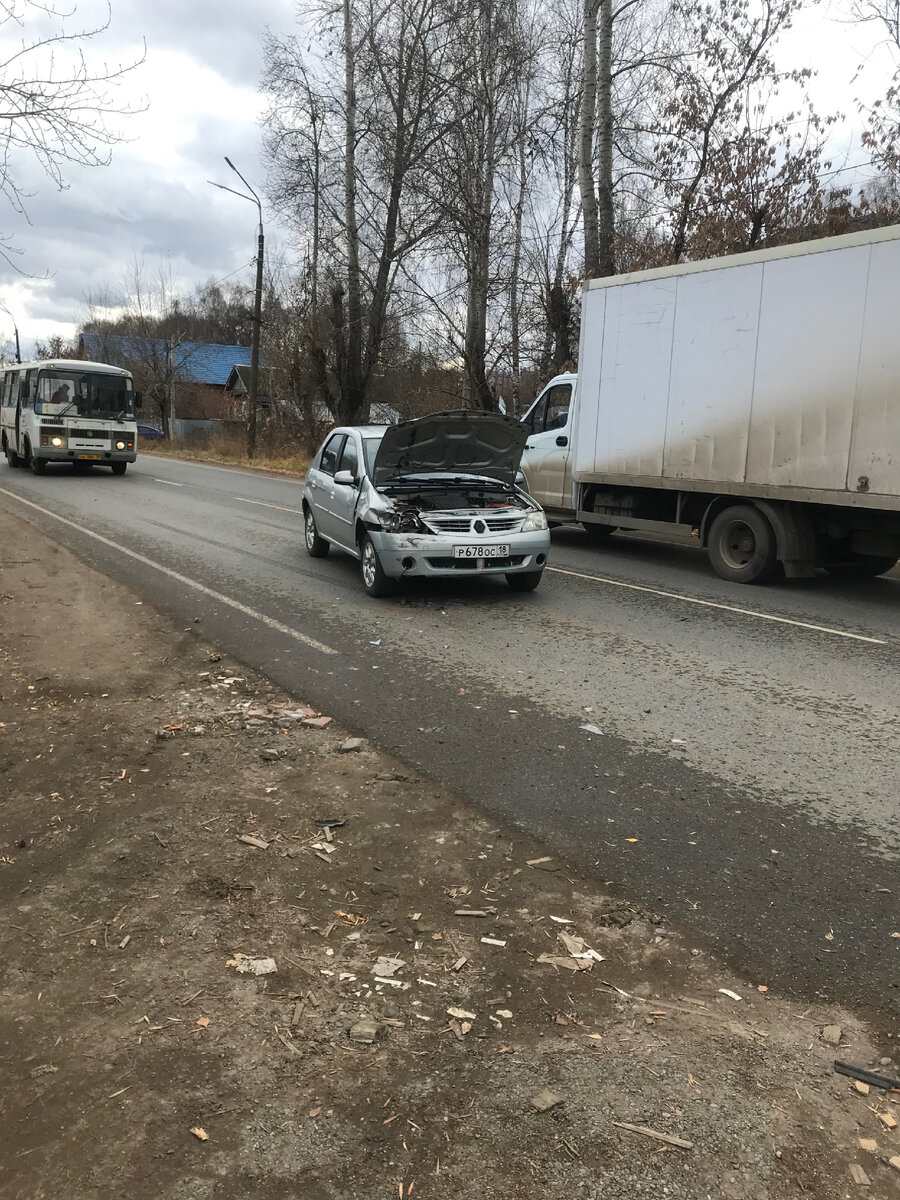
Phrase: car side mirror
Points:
(345, 478)
(138, 401)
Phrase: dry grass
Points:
(230, 452)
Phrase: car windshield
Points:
(370, 449)
(85, 394)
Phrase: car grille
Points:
(464, 524)
(471, 564)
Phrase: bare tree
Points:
(55, 105)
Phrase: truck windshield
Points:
(85, 394)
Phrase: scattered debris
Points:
(504, 1013)
(869, 1145)
(461, 1014)
(536, 862)
(44, 1069)
(470, 912)
(645, 1131)
(330, 822)
(862, 1088)
(250, 839)
(888, 1119)
(545, 1100)
(459, 964)
(203, 1022)
(386, 967)
(365, 1030)
(832, 1035)
(489, 941)
(200, 1134)
(252, 966)
(730, 994)
(858, 1175)
(592, 729)
(318, 722)
(567, 964)
(352, 745)
(270, 755)
(894, 1161)
(869, 1077)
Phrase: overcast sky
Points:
(200, 86)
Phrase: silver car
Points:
(437, 496)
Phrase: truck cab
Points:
(547, 459)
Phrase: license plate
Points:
(92, 457)
(481, 551)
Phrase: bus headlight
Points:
(120, 445)
(57, 442)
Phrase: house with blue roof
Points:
(192, 375)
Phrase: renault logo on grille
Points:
(480, 526)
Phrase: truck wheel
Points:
(374, 580)
(524, 581)
(742, 545)
(597, 533)
(316, 547)
(863, 566)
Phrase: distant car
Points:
(150, 432)
(436, 496)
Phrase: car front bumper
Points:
(423, 554)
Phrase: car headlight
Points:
(402, 522)
(535, 520)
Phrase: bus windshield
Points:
(85, 394)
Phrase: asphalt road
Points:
(745, 783)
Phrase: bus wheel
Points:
(118, 468)
(12, 458)
(38, 465)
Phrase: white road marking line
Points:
(743, 612)
(179, 578)
(262, 504)
(170, 482)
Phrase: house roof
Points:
(195, 362)
(238, 381)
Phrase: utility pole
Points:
(16, 328)
(257, 305)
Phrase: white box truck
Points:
(752, 400)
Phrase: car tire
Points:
(374, 580)
(118, 468)
(742, 545)
(316, 547)
(524, 581)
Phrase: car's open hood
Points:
(455, 443)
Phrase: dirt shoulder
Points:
(133, 760)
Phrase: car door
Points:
(320, 479)
(547, 457)
(345, 495)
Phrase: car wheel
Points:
(316, 547)
(118, 468)
(374, 580)
(524, 581)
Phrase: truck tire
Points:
(742, 547)
(597, 533)
(862, 566)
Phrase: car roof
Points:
(366, 431)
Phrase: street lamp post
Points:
(257, 308)
(16, 328)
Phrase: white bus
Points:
(65, 410)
